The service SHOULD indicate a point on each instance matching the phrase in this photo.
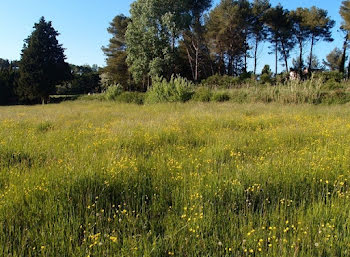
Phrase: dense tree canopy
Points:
(162, 34)
(153, 35)
(334, 59)
(8, 80)
(345, 14)
(227, 29)
(194, 41)
(84, 79)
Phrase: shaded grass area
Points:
(106, 179)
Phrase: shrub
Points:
(282, 78)
(265, 79)
(93, 97)
(113, 92)
(332, 84)
(178, 89)
(241, 96)
(202, 94)
(266, 70)
(131, 97)
(219, 81)
(221, 97)
(246, 76)
(335, 97)
(325, 76)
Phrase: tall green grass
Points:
(195, 179)
(313, 91)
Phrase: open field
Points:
(107, 179)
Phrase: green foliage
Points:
(282, 78)
(301, 31)
(85, 83)
(218, 81)
(334, 59)
(147, 38)
(113, 92)
(177, 89)
(203, 94)
(8, 84)
(4, 92)
(320, 28)
(334, 76)
(336, 96)
(220, 96)
(117, 68)
(345, 14)
(42, 65)
(258, 27)
(131, 97)
(246, 76)
(314, 91)
(266, 78)
(281, 34)
(155, 29)
(85, 79)
(266, 70)
(93, 97)
(228, 25)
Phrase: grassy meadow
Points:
(197, 179)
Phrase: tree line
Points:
(185, 37)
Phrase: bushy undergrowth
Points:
(113, 92)
(224, 82)
(203, 94)
(131, 97)
(218, 81)
(315, 91)
(103, 179)
(324, 88)
(289, 93)
(117, 96)
(221, 97)
(177, 89)
(329, 76)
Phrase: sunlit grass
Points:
(106, 179)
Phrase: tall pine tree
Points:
(117, 68)
(320, 27)
(345, 14)
(281, 36)
(258, 28)
(42, 64)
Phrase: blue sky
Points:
(83, 24)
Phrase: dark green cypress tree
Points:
(42, 64)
